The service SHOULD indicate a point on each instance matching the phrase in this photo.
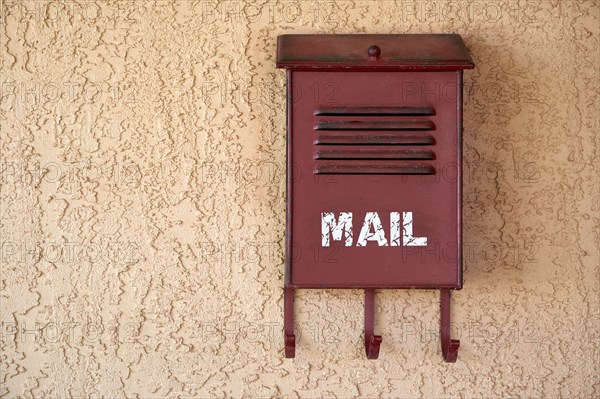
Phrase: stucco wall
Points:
(143, 218)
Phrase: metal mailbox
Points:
(374, 168)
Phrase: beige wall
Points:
(143, 206)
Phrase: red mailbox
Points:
(374, 168)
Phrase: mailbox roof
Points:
(398, 52)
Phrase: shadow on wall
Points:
(503, 105)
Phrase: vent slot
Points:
(367, 110)
(372, 142)
(375, 125)
(375, 154)
(375, 139)
(370, 169)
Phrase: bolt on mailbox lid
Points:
(398, 52)
(373, 141)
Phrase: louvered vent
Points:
(393, 143)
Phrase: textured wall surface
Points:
(143, 198)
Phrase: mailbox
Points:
(374, 168)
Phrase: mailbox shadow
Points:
(500, 171)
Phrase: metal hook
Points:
(449, 346)
(372, 341)
(288, 318)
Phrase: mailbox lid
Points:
(398, 52)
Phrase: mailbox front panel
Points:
(375, 179)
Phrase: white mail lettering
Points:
(401, 231)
